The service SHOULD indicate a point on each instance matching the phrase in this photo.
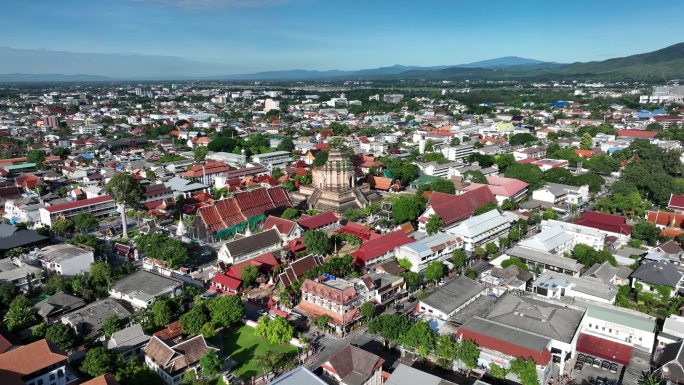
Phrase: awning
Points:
(605, 349)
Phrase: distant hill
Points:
(19, 77)
(506, 61)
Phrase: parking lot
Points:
(588, 370)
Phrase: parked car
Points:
(262, 312)
(613, 367)
(580, 357)
(605, 365)
(578, 367)
(588, 360)
(597, 363)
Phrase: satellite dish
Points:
(665, 369)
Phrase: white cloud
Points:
(209, 4)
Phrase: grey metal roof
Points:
(61, 252)
(541, 317)
(253, 242)
(587, 285)
(502, 332)
(59, 302)
(658, 273)
(22, 238)
(545, 258)
(617, 315)
(453, 295)
(547, 240)
(89, 320)
(479, 224)
(127, 338)
(299, 376)
(602, 271)
(144, 285)
(406, 375)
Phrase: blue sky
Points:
(213, 37)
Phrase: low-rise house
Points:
(300, 375)
(557, 285)
(105, 379)
(615, 325)
(128, 342)
(65, 259)
(380, 249)
(553, 240)
(89, 320)
(651, 275)
(500, 344)
(172, 361)
(558, 194)
(609, 224)
(378, 288)
(353, 366)
(294, 272)
(503, 189)
(670, 363)
(22, 210)
(58, 304)
(287, 229)
(141, 288)
(230, 282)
(511, 278)
(452, 297)
(38, 363)
(453, 209)
(25, 278)
(12, 237)
(672, 331)
(437, 247)
(676, 203)
(245, 247)
(540, 261)
(482, 229)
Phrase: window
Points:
(60, 373)
(589, 326)
(52, 377)
(40, 382)
(610, 330)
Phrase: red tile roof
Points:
(28, 181)
(29, 359)
(365, 233)
(318, 221)
(227, 281)
(265, 263)
(455, 208)
(379, 246)
(636, 134)
(254, 202)
(379, 183)
(663, 218)
(676, 202)
(606, 222)
(76, 204)
(603, 348)
(284, 226)
(508, 348)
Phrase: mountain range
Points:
(661, 65)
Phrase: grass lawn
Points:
(242, 345)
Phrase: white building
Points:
(277, 159)
(481, 229)
(555, 193)
(438, 247)
(458, 152)
(271, 104)
(67, 260)
(40, 362)
(580, 234)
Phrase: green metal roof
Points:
(620, 317)
(19, 166)
(423, 179)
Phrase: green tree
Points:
(411, 278)
(85, 221)
(649, 379)
(87, 240)
(99, 361)
(527, 173)
(368, 311)
(407, 208)
(446, 348)
(38, 332)
(101, 274)
(485, 208)
(468, 352)
(491, 248)
(353, 214)
(8, 292)
(249, 275)
(193, 320)
(163, 310)
(62, 226)
(261, 328)
(135, 372)
(459, 258)
(290, 214)
(479, 252)
(434, 271)
(405, 263)
(161, 247)
(514, 261)
(286, 144)
(19, 316)
(317, 242)
(37, 157)
(434, 224)
(280, 331)
(210, 363)
(61, 335)
(646, 231)
(420, 335)
(497, 371)
(526, 370)
(322, 321)
(113, 324)
(454, 142)
(226, 310)
(199, 153)
(208, 330)
(320, 159)
(475, 176)
(391, 327)
(586, 142)
(126, 192)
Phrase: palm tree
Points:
(649, 379)
(19, 317)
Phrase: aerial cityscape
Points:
(223, 192)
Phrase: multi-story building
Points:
(38, 363)
(481, 229)
(378, 287)
(353, 366)
(67, 260)
(580, 234)
(24, 277)
(333, 297)
(247, 247)
(458, 152)
(171, 362)
(98, 207)
(437, 247)
(271, 104)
